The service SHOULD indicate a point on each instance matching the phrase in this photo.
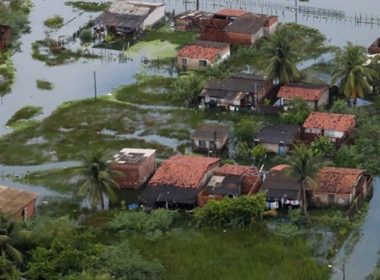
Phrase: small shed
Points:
(131, 16)
(210, 137)
(135, 166)
(281, 189)
(5, 36)
(231, 181)
(17, 203)
(201, 55)
(236, 92)
(317, 96)
(277, 139)
(190, 20)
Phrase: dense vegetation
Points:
(54, 22)
(88, 6)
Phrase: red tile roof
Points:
(182, 171)
(231, 13)
(235, 170)
(330, 121)
(304, 91)
(279, 167)
(337, 180)
(203, 50)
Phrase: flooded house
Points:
(340, 187)
(316, 96)
(201, 55)
(210, 138)
(236, 92)
(282, 190)
(278, 139)
(5, 36)
(17, 203)
(129, 17)
(230, 181)
(190, 20)
(134, 167)
(177, 182)
(237, 27)
(336, 127)
(374, 48)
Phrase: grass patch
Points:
(55, 22)
(76, 128)
(63, 180)
(166, 33)
(235, 254)
(147, 90)
(43, 84)
(54, 55)
(156, 49)
(88, 6)
(24, 113)
(7, 73)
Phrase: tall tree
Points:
(353, 76)
(282, 59)
(99, 181)
(304, 167)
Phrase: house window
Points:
(331, 199)
(203, 63)
(184, 61)
(202, 144)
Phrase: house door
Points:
(331, 199)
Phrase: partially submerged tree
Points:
(99, 180)
(304, 166)
(351, 73)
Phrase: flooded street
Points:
(74, 81)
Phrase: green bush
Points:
(24, 113)
(124, 263)
(235, 212)
(85, 36)
(54, 22)
(141, 222)
(322, 146)
(298, 112)
(43, 84)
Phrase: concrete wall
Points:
(132, 175)
(322, 199)
(324, 100)
(30, 210)
(5, 39)
(244, 39)
(155, 16)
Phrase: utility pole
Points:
(95, 93)
(197, 7)
(296, 10)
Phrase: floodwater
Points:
(361, 261)
(75, 81)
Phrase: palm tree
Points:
(353, 75)
(304, 167)
(7, 232)
(282, 66)
(99, 180)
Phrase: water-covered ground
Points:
(75, 81)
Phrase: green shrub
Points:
(141, 222)
(54, 22)
(230, 211)
(85, 36)
(24, 113)
(322, 146)
(43, 84)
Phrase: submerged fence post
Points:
(95, 93)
